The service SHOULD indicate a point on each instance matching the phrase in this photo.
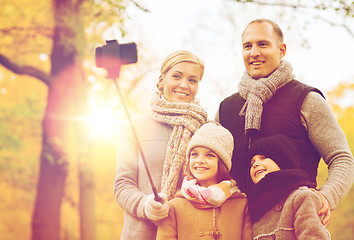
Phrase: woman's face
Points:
(203, 164)
(261, 166)
(181, 82)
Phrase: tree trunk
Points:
(87, 201)
(50, 191)
(64, 132)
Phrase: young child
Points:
(209, 204)
(281, 205)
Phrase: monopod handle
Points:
(157, 197)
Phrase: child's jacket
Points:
(188, 222)
(283, 207)
(295, 218)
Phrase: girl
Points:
(209, 205)
(164, 133)
(281, 205)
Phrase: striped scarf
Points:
(185, 118)
(211, 197)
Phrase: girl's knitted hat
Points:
(279, 148)
(215, 137)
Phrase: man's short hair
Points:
(275, 27)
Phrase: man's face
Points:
(262, 51)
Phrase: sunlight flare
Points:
(103, 122)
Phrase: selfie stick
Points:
(157, 197)
(111, 57)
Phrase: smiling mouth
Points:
(200, 168)
(258, 63)
(259, 172)
(182, 94)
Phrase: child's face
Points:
(203, 164)
(261, 166)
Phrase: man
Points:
(270, 101)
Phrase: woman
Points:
(164, 134)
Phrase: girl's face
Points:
(181, 82)
(261, 166)
(203, 164)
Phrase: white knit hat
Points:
(215, 137)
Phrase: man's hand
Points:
(325, 210)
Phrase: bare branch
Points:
(139, 6)
(329, 5)
(32, 30)
(25, 70)
(337, 25)
(323, 5)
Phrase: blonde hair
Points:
(178, 57)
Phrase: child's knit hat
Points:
(280, 149)
(215, 137)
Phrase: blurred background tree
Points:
(58, 37)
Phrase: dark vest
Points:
(281, 115)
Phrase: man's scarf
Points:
(257, 92)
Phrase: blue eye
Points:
(211, 155)
(194, 154)
(247, 46)
(193, 80)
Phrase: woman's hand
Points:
(155, 210)
(325, 210)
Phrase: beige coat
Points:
(293, 219)
(132, 186)
(186, 222)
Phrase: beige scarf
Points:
(257, 92)
(185, 118)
